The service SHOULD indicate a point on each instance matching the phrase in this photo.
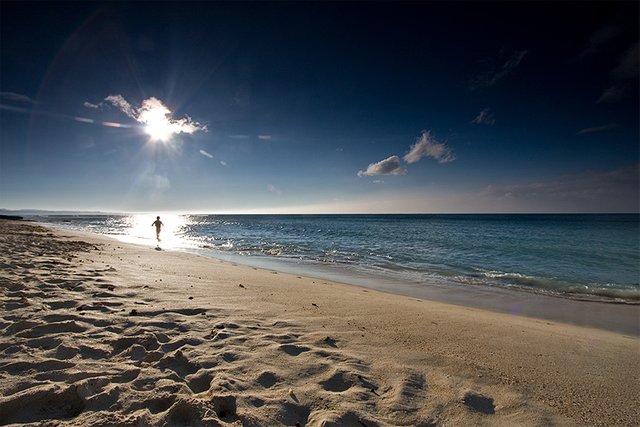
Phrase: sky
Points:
(319, 107)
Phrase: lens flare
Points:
(158, 125)
(159, 130)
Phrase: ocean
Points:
(593, 257)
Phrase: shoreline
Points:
(615, 316)
(611, 282)
(110, 333)
(364, 274)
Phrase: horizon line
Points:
(161, 212)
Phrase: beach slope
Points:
(98, 332)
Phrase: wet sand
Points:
(97, 332)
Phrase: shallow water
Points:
(579, 256)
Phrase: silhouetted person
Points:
(158, 225)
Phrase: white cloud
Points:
(90, 105)
(223, 163)
(491, 77)
(628, 67)
(153, 111)
(427, 146)
(484, 117)
(596, 129)
(514, 61)
(17, 97)
(599, 40)
(388, 166)
(612, 94)
(625, 71)
(119, 102)
(264, 137)
(206, 154)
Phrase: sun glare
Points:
(159, 128)
(158, 125)
(159, 131)
(141, 231)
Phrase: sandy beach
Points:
(103, 333)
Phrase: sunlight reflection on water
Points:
(139, 229)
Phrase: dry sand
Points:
(97, 332)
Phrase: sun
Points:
(156, 118)
(159, 130)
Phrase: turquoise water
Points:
(578, 256)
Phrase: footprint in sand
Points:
(230, 356)
(410, 394)
(52, 328)
(51, 402)
(174, 345)
(197, 412)
(349, 418)
(156, 404)
(93, 352)
(338, 382)
(224, 406)
(57, 305)
(267, 379)
(148, 341)
(479, 402)
(179, 364)
(200, 381)
(43, 366)
(294, 350)
(65, 352)
(20, 325)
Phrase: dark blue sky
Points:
(320, 107)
